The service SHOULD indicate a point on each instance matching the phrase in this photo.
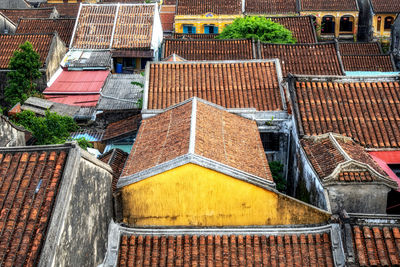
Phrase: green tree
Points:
(258, 28)
(24, 66)
(277, 174)
(50, 129)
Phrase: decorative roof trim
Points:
(75, 26)
(338, 147)
(115, 24)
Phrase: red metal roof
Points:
(75, 82)
(383, 158)
(75, 100)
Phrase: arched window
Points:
(388, 23)
(328, 25)
(314, 20)
(378, 24)
(346, 24)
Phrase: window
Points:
(270, 141)
(143, 62)
(388, 23)
(314, 21)
(210, 29)
(189, 29)
(346, 24)
(328, 25)
(378, 24)
(395, 168)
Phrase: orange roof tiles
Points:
(122, 127)
(190, 36)
(270, 6)
(15, 14)
(236, 84)
(65, 10)
(381, 63)
(360, 48)
(167, 16)
(133, 26)
(116, 158)
(9, 43)
(333, 5)
(367, 111)
(29, 185)
(218, 135)
(302, 28)
(64, 27)
(308, 59)
(193, 7)
(385, 6)
(209, 49)
(226, 250)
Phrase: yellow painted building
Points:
(198, 165)
(338, 24)
(203, 23)
(381, 25)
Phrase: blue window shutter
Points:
(193, 29)
(216, 30)
(185, 29)
(206, 29)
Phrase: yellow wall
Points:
(191, 195)
(381, 33)
(199, 21)
(337, 15)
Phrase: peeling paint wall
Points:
(56, 54)
(10, 135)
(191, 195)
(6, 26)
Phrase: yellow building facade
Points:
(328, 24)
(192, 195)
(381, 25)
(202, 22)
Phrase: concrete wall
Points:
(191, 195)
(365, 21)
(77, 235)
(10, 135)
(358, 198)
(6, 25)
(57, 51)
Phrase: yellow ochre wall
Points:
(378, 33)
(191, 195)
(199, 21)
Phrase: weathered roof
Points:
(63, 27)
(270, 7)
(15, 14)
(189, 36)
(30, 181)
(334, 5)
(385, 6)
(246, 246)
(382, 63)
(40, 105)
(203, 129)
(231, 84)
(65, 10)
(210, 49)
(167, 16)
(122, 128)
(310, 59)
(302, 28)
(338, 159)
(193, 7)
(358, 48)
(116, 158)
(118, 26)
(119, 93)
(10, 42)
(87, 60)
(10, 133)
(368, 110)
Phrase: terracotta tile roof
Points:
(9, 43)
(381, 63)
(376, 245)
(218, 135)
(64, 27)
(169, 2)
(116, 158)
(65, 10)
(122, 127)
(328, 154)
(385, 6)
(133, 26)
(360, 48)
(226, 250)
(369, 112)
(15, 14)
(209, 49)
(270, 7)
(301, 27)
(193, 36)
(194, 7)
(30, 180)
(322, 5)
(250, 84)
(167, 16)
(308, 59)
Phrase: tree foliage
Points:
(84, 143)
(50, 129)
(258, 28)
(24, 66)
(277, 174)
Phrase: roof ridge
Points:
(339, 147)
(192, 136)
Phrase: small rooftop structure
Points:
(87, 60)
(39, 106)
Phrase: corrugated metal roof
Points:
(383, 158)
